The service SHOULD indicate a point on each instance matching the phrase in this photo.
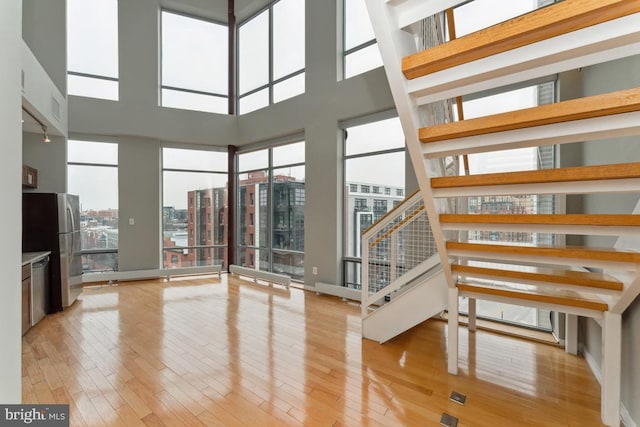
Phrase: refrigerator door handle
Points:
(71, 218)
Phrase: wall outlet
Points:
(132, 221)
(315, 270)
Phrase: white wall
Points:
(46, 157)
(10, 179)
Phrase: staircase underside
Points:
(585, 281)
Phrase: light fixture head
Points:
(45, 136)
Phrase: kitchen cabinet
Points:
(26, 298)
(29, 177)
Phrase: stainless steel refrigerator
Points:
(51, 222)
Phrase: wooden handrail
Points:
(580, 173)
(628, 220)
(541, 24)
(555, 276)
(623, 101)
(533, 296)
(572, 252)
(389, 213)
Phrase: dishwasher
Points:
(39, 288)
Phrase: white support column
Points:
(452, 332)
(571, 334)
(472, 314)
(611, 370)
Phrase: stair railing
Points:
(396, 250)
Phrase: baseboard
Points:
(627, 420)
(112, 276)
(593, 364)
(338, 291)
(259, 274)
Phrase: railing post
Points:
(393, 254)
(364, 301)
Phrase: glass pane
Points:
(253, 102)
(92, 37)
(253, 160)
(357, 25)
(253, 215)
(194, 214)
(376, 136)
(178, 158)
(365, 205)
(193, 257)
(528, 316)
(288, 154)
(501, 102)
(288, 37)
(473, 16)
(289, 88)
(100, 262)
(97, 187)
(361, 61)
(507, 160)
(177, 186)
(353, 275)
(291, 264)
(253, 53)
(249, 257)
(100, 153)
(194, 54)
(92, 87)
(288, 209)
(195, 101)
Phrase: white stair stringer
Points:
(487, 70)
(412, 307)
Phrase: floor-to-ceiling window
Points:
(359, 44)
(470, 17)
(529, 158)
(271, 202)
(195, 58)
(194, 208)
(271, 55)
(92, 48)
(374, 182)
(92, 169)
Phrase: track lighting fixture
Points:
(45, 135)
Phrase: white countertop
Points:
(31, 257)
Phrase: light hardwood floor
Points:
(225, 352)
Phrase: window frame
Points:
(162, 86)
(270, 168)
(97, 251)
(100, 77)
(354, 49)
(271, 82)
(190, 232)
(347, 259)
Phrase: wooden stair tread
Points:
(620, 220)
(580, 173)
(573, 252)
(530, 295)
(535, 26)
(556, 276)
(619, 102)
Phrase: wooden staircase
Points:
(581, 281)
